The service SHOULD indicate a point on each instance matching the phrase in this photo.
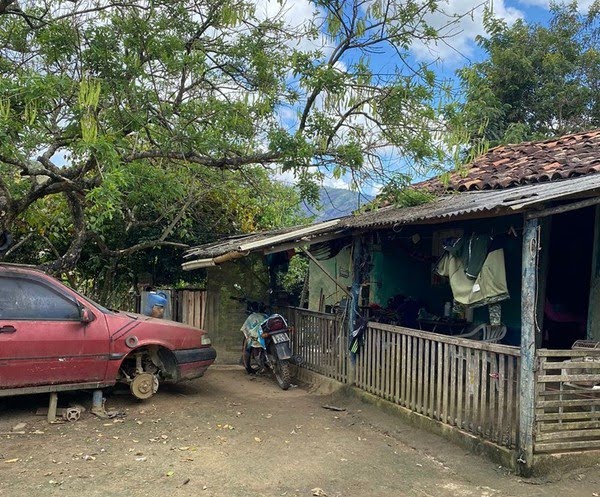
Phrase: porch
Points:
(468, 385)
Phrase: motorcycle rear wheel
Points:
(283, 374)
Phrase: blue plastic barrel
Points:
(155, 298)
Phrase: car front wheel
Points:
(141, 374)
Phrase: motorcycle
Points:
(266, 344)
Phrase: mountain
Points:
(336, 202)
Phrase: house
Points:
(517, 367)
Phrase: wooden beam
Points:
(542, 275)
(322, 268)
(304, 242)
(357, 253)
(197, 264)
(528, 350)
(268, 241)
(563, 208)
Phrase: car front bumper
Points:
(193, 363)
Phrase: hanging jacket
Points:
(487, 288)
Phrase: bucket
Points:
(155, 299)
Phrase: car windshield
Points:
(95, 304)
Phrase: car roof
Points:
(25, 268)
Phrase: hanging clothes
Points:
(487, 288)
(472, 251)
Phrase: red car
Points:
(54, 339)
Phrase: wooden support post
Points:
(542, 275)
(593, 323)
(357, 248)
(528, 336)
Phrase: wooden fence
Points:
(190, 306)
(567, 407)
(464, 383)
(185, 306)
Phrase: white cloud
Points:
(289, 178)
(296, 14)
(583, 5)
(462, 31)
(341, 183)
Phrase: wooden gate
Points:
(567, 407)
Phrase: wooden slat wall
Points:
(567, 413)
(191, 305)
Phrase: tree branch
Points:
(71, 256)
(134, 248)
(221, 163)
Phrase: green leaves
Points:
(537, 82)
(89, 97)
(161, 120)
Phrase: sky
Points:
(461, 51)
(464, 48)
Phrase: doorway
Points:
(566, 301)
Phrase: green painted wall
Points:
(396, 271)
(401, 264)
(340, 267)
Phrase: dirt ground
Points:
(229, 435)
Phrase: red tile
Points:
(529, 162)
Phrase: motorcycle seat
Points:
(274, 323)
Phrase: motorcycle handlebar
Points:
(251, 305)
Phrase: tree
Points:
(129, 225)
(537, 81)
(95, 92)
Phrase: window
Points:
(23, 298)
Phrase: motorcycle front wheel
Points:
(283, 374)
(248, 360)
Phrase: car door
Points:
(42, 338)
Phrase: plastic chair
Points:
(489, 333)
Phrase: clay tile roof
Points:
(507, 166)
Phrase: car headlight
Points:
(205, 340)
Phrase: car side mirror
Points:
(85, 315)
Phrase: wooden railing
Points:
(321, 341)
(567, 413)
(465, 383)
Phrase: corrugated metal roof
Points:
(261, 240)
(485, 202)
(442, 209)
